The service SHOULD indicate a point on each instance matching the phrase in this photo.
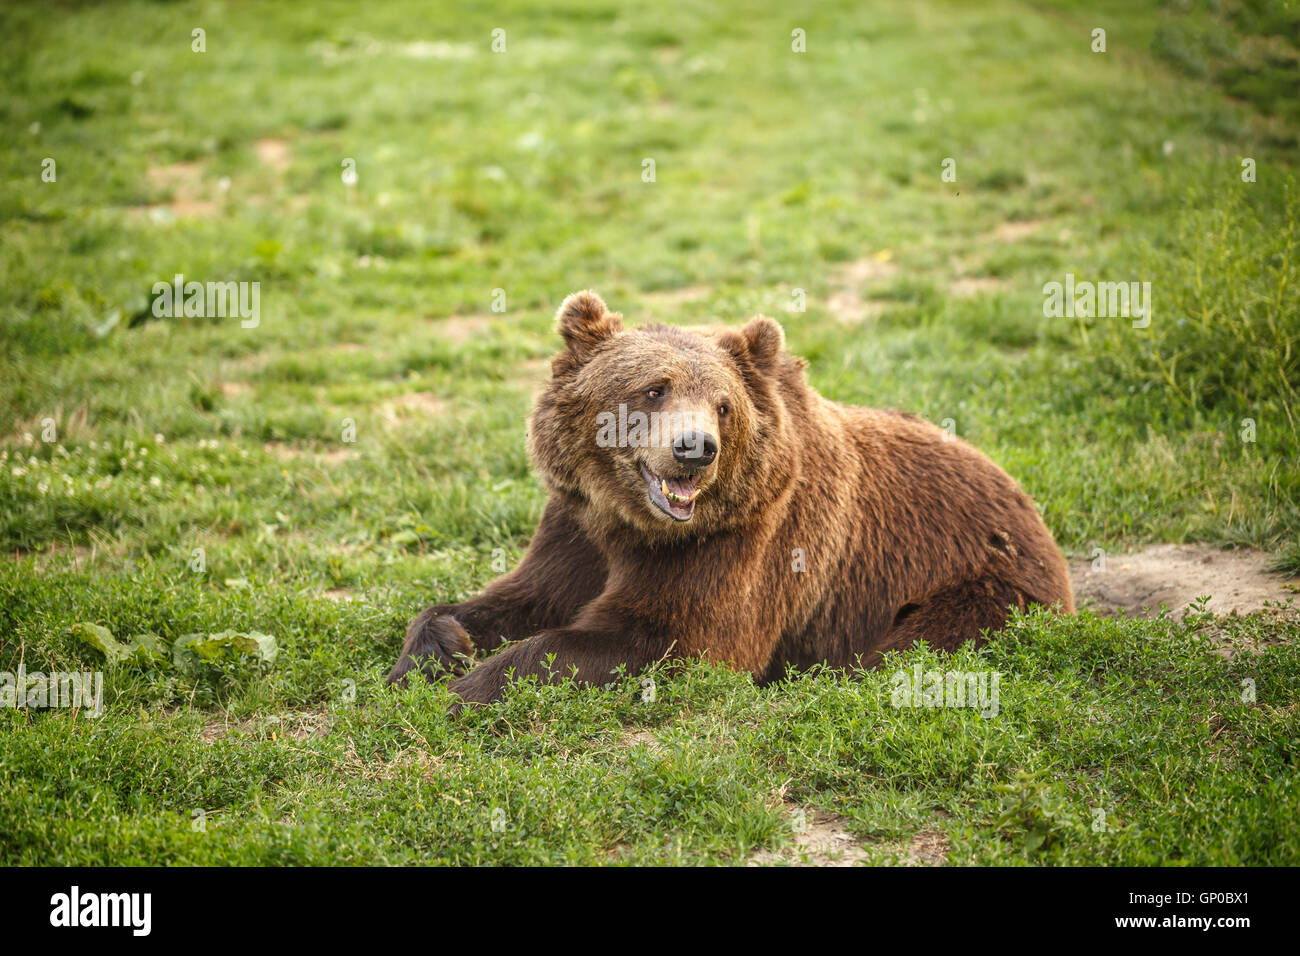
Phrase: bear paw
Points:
(436, 644)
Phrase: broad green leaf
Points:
(147, 649)
(102, 640)
(222, 644)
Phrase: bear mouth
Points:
(675, 497)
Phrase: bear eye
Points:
(724, 410)
(654, 393)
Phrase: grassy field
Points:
(358, 453)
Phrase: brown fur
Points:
(906, 534)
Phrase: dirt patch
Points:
(286, 452)
(339, 455)
(67, 426)
(215, 730)
(365, 46)
(233, 389)
(640, 738)
(414, 405)
(1015, 231)
(59, 555)
(1176, 575)
(968, 286)
(184, 178)
(847, 303)
(339, 594)
(252, 362)
(297, 726)
(849, 308)
(461, 328)
(871, 269)
(183, 182)
(274, 153)
(435, 50)
(179, 209)
(277, 449)
(928, 848)
(821, 839)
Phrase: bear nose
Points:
(695, 448)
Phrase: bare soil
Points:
(1175, 575)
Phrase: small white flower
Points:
(155, 482)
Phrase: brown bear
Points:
(705, 502)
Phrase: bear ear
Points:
(585, 323)
(761, 341)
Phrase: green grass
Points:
(522, 171)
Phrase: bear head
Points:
(669, 432)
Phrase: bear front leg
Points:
(560, 573)
(435, 644)
(589, 655)
(442, 639)
(704, 617)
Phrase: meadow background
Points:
(198, 481)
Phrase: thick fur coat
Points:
(760, 525)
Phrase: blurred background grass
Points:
(521, 171)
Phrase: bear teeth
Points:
(673, 496)
(669, 494)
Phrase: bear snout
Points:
(695, 449)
